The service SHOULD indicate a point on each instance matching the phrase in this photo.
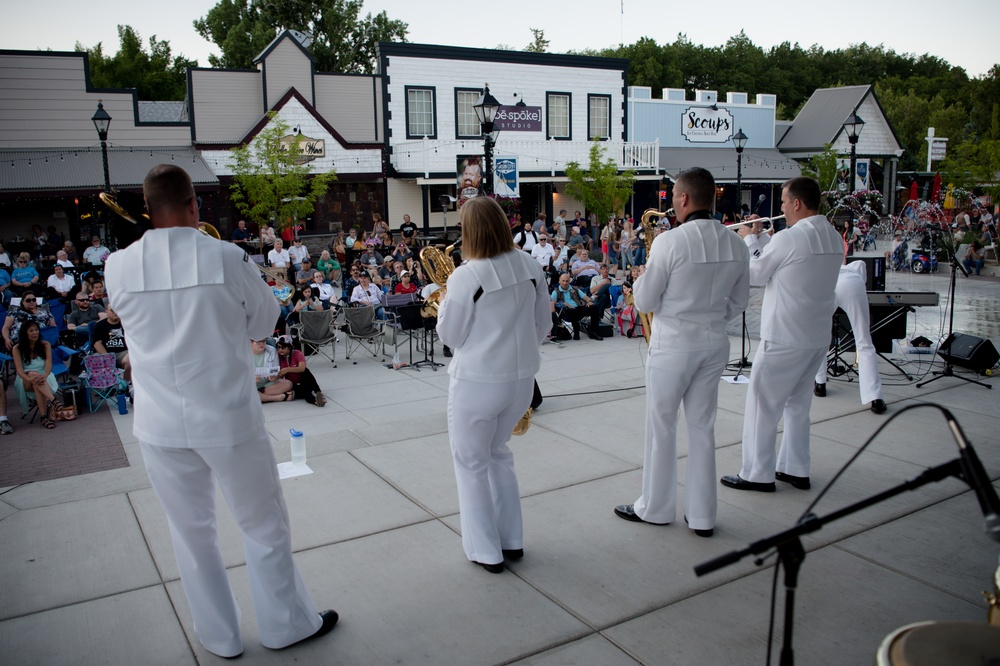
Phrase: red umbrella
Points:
(913, 191)
(936, 188)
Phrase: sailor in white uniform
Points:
(798, 269)
(852, 297)
(189, 305)
(696, 281)
(495, 316)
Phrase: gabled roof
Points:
(821, 120)
(162, 112)
(284, 34)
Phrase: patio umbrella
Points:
(913, 191)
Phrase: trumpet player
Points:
(495, 316)
(798, 269)
(696, 280)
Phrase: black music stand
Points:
(949, 369)
(841, 339)
(429, 325)
(883, 323)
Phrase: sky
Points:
(963, 32)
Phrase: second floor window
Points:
(420, 113)
(599, 117)
(466, 122)
(558, 116)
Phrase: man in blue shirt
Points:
(24, 276)
(572, 305)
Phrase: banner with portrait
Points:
(469, 176)
(506, 179)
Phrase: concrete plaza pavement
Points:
(88, 573)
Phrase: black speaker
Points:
(968, 351)
(875, 272)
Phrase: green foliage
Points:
(266, 179)
(539, 44)
(601, 188)
(154, 74)
(342, 40)
(822, 168)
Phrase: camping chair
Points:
(60, 353)
(364, 331)
(316, 330)
(101, 380)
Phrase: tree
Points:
(539, 44)
(822, 168)
(153, 74)
(601, 188)
(268, 184)
(342, 42)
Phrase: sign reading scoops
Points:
(519, 119)
(700, 124)
(303, 147)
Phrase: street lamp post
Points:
(102, 121)
(486, 108)
(740, 141)
(853, 126)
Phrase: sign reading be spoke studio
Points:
(519, 119)
(702, 124)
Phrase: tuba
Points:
(649, 228)
(439, 266)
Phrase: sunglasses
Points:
(28, 300)
(82, 300)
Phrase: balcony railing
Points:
(427, 156)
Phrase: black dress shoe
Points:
(576, 335)
(492, 568)
(594, 335)
(627, 512)
(878, 406)
(819, 390)
(735, 481)
(514, 554)
(800, 482)
(447, 352)
(702, 533)
(330, 618)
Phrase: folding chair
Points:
(60, 353)
(363, 331)
(316, 330)
(102, 380)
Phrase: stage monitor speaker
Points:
(968, 351)
(875, 272)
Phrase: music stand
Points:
(429, 325)
(744, 362)
(841, 339)
(409, 320)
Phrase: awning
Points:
(76, 170)
(759, 165)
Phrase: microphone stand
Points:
(744, 362)
(949, 370)
(791, 553)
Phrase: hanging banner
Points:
(860, 174)
(469, 174)
(506, 181)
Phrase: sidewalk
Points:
(89, 574)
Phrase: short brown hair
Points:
(167, 189)
(485, 229)
(805, 190)
(699, 185)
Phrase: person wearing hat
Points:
(401, 253)
(370, 257)
(405, 286)
(304, 275)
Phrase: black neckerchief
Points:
(699, 215)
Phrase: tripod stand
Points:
(949, 369)
(836, 365)
(744, 362)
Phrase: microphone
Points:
(760, 202)
(977, 478)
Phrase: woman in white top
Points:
(368, 294)
(494, 317)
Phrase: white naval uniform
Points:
(798, 269)
(852, 297)
(495, 341)
(189, 305)
(696, 280)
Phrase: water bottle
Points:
(122, 404)
(298, 443)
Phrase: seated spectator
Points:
(329, 266)
(543, 252)
(298, 253)
(24, 276)
(396, 278)
(572, 304)
(109, 338)
(974, 258)
(352, 241)
(292, 366)
(28, 310)
(408, 232)
(271, 387)
(385, 240)
(62, 259)
(350, 282)
(405, 286)
(81, 316)
(402, 253)
(386, 272)
(367, 293)
(97, 294)
(283, 293)
(576, 240)
(584, 269)
(304, 299)
(304, 275)
(5, 292)
(600, 290)
(267, 238)
(96, 253)
(33, 363)
(370, 257)
(279, 258)
(526, 239)
(59, 284)
(5, 260)
(71, 254)
(322, 289)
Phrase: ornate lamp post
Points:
(486, 111)
(853, 126)
(740, 141)
(102, 121)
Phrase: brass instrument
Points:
(759, 219)
(438, 266)
(649, 228)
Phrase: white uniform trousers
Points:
(481, 418)
(852, 298)
(184, 480)
(672, 378)
(781, 385)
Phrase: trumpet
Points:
(759, 219)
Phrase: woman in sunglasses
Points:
(27, 311)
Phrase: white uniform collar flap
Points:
(174, 258)
(704, 243)
(501, 271)
(820, 241)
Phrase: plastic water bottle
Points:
(298, 443)
(122, 405)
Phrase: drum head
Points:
(946, 644)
